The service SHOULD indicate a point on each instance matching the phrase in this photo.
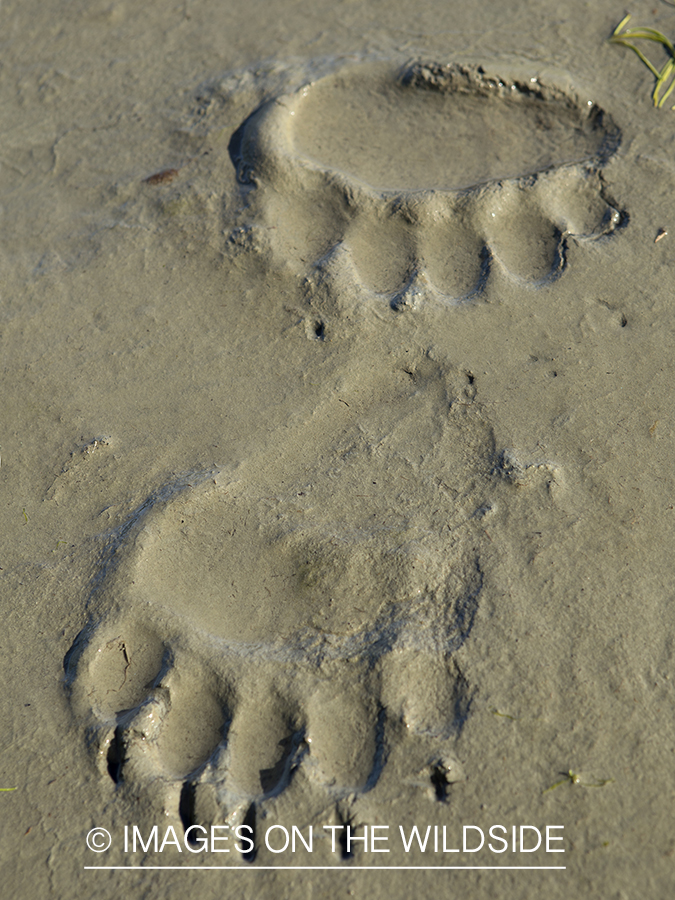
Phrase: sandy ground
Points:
(337, 448)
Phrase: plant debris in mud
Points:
(665, 78)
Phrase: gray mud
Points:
(337, 446)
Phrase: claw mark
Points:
(440, 782)
(115, 757)
(250, 822)
(278, 777)
(345, 850)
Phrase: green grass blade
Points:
(660, 82)
(620, 25)
(671, 71)
(649, 34)
(655, 72)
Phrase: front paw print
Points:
(421, 184)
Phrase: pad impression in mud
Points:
(254, 644)
(420, 184)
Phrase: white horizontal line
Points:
(252, 868)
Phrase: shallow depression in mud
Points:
(398, 135)
(220, 567)
(215, 567)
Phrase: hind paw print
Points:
(252, 648)
(280, 658)
(425, 184)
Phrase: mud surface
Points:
(337, 449)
